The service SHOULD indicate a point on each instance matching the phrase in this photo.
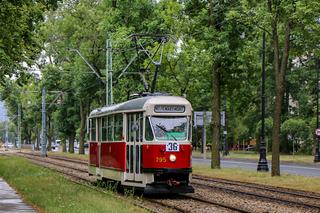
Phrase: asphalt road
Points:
(288, 168)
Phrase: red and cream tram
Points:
(144, 143)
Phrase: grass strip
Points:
(70, 155)
(51, 192)
(285, 180)
(255, 156)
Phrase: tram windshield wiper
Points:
(166, 131)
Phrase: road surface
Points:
(312, 170)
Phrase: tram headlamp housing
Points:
(172, 158)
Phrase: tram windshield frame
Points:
(167, 128)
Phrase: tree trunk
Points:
(64, 145)
(83, 112)
(38, 139)
(215, 156)
(71, 143)
(276, 131)
(280, 67)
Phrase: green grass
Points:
(285, 180)
(50, 192)
(255, 156)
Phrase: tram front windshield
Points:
(170, 128)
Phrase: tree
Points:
(18, 37)
(284, 18)
(296, 130)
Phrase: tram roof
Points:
(139, 104)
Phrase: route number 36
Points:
(172, 147)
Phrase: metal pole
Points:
(317, 153)
(43, 130)
(263, 163)
(111, 86)
(225, 144)
(19, 127)
(6, 136)
(107, 73)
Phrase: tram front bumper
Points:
(166, 189)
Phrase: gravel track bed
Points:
(277, 195)
(246, 202)
(296, 192)
(58, 162)
(187, 204)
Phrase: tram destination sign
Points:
(169, 108)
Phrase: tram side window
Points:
(148, 133)
(110, 127)
(118, 128)
(99, 128)
(139, 132)
(104, 128)
(93, 129)
(129, 127)
(135, 127)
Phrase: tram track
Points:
(200, 201)
(203, 200)
(287, 191)
(174, 204)
(274, 194)
(229, 207)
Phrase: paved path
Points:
(10, 201)
(288, 168)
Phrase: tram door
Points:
(134, 147)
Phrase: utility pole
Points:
(111, 86)
(44, 128)
(19, 127)
(107, 72)
(263, 163)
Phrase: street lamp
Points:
(317, 153)
(263, 163)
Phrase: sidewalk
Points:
(10, 201)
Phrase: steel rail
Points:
(294, 192)
(256, 195)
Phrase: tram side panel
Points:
(93, 157)
(113, 155)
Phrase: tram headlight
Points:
(172, 158)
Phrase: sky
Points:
(3, 112)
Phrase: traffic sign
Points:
(318, 132)
(201, 118)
